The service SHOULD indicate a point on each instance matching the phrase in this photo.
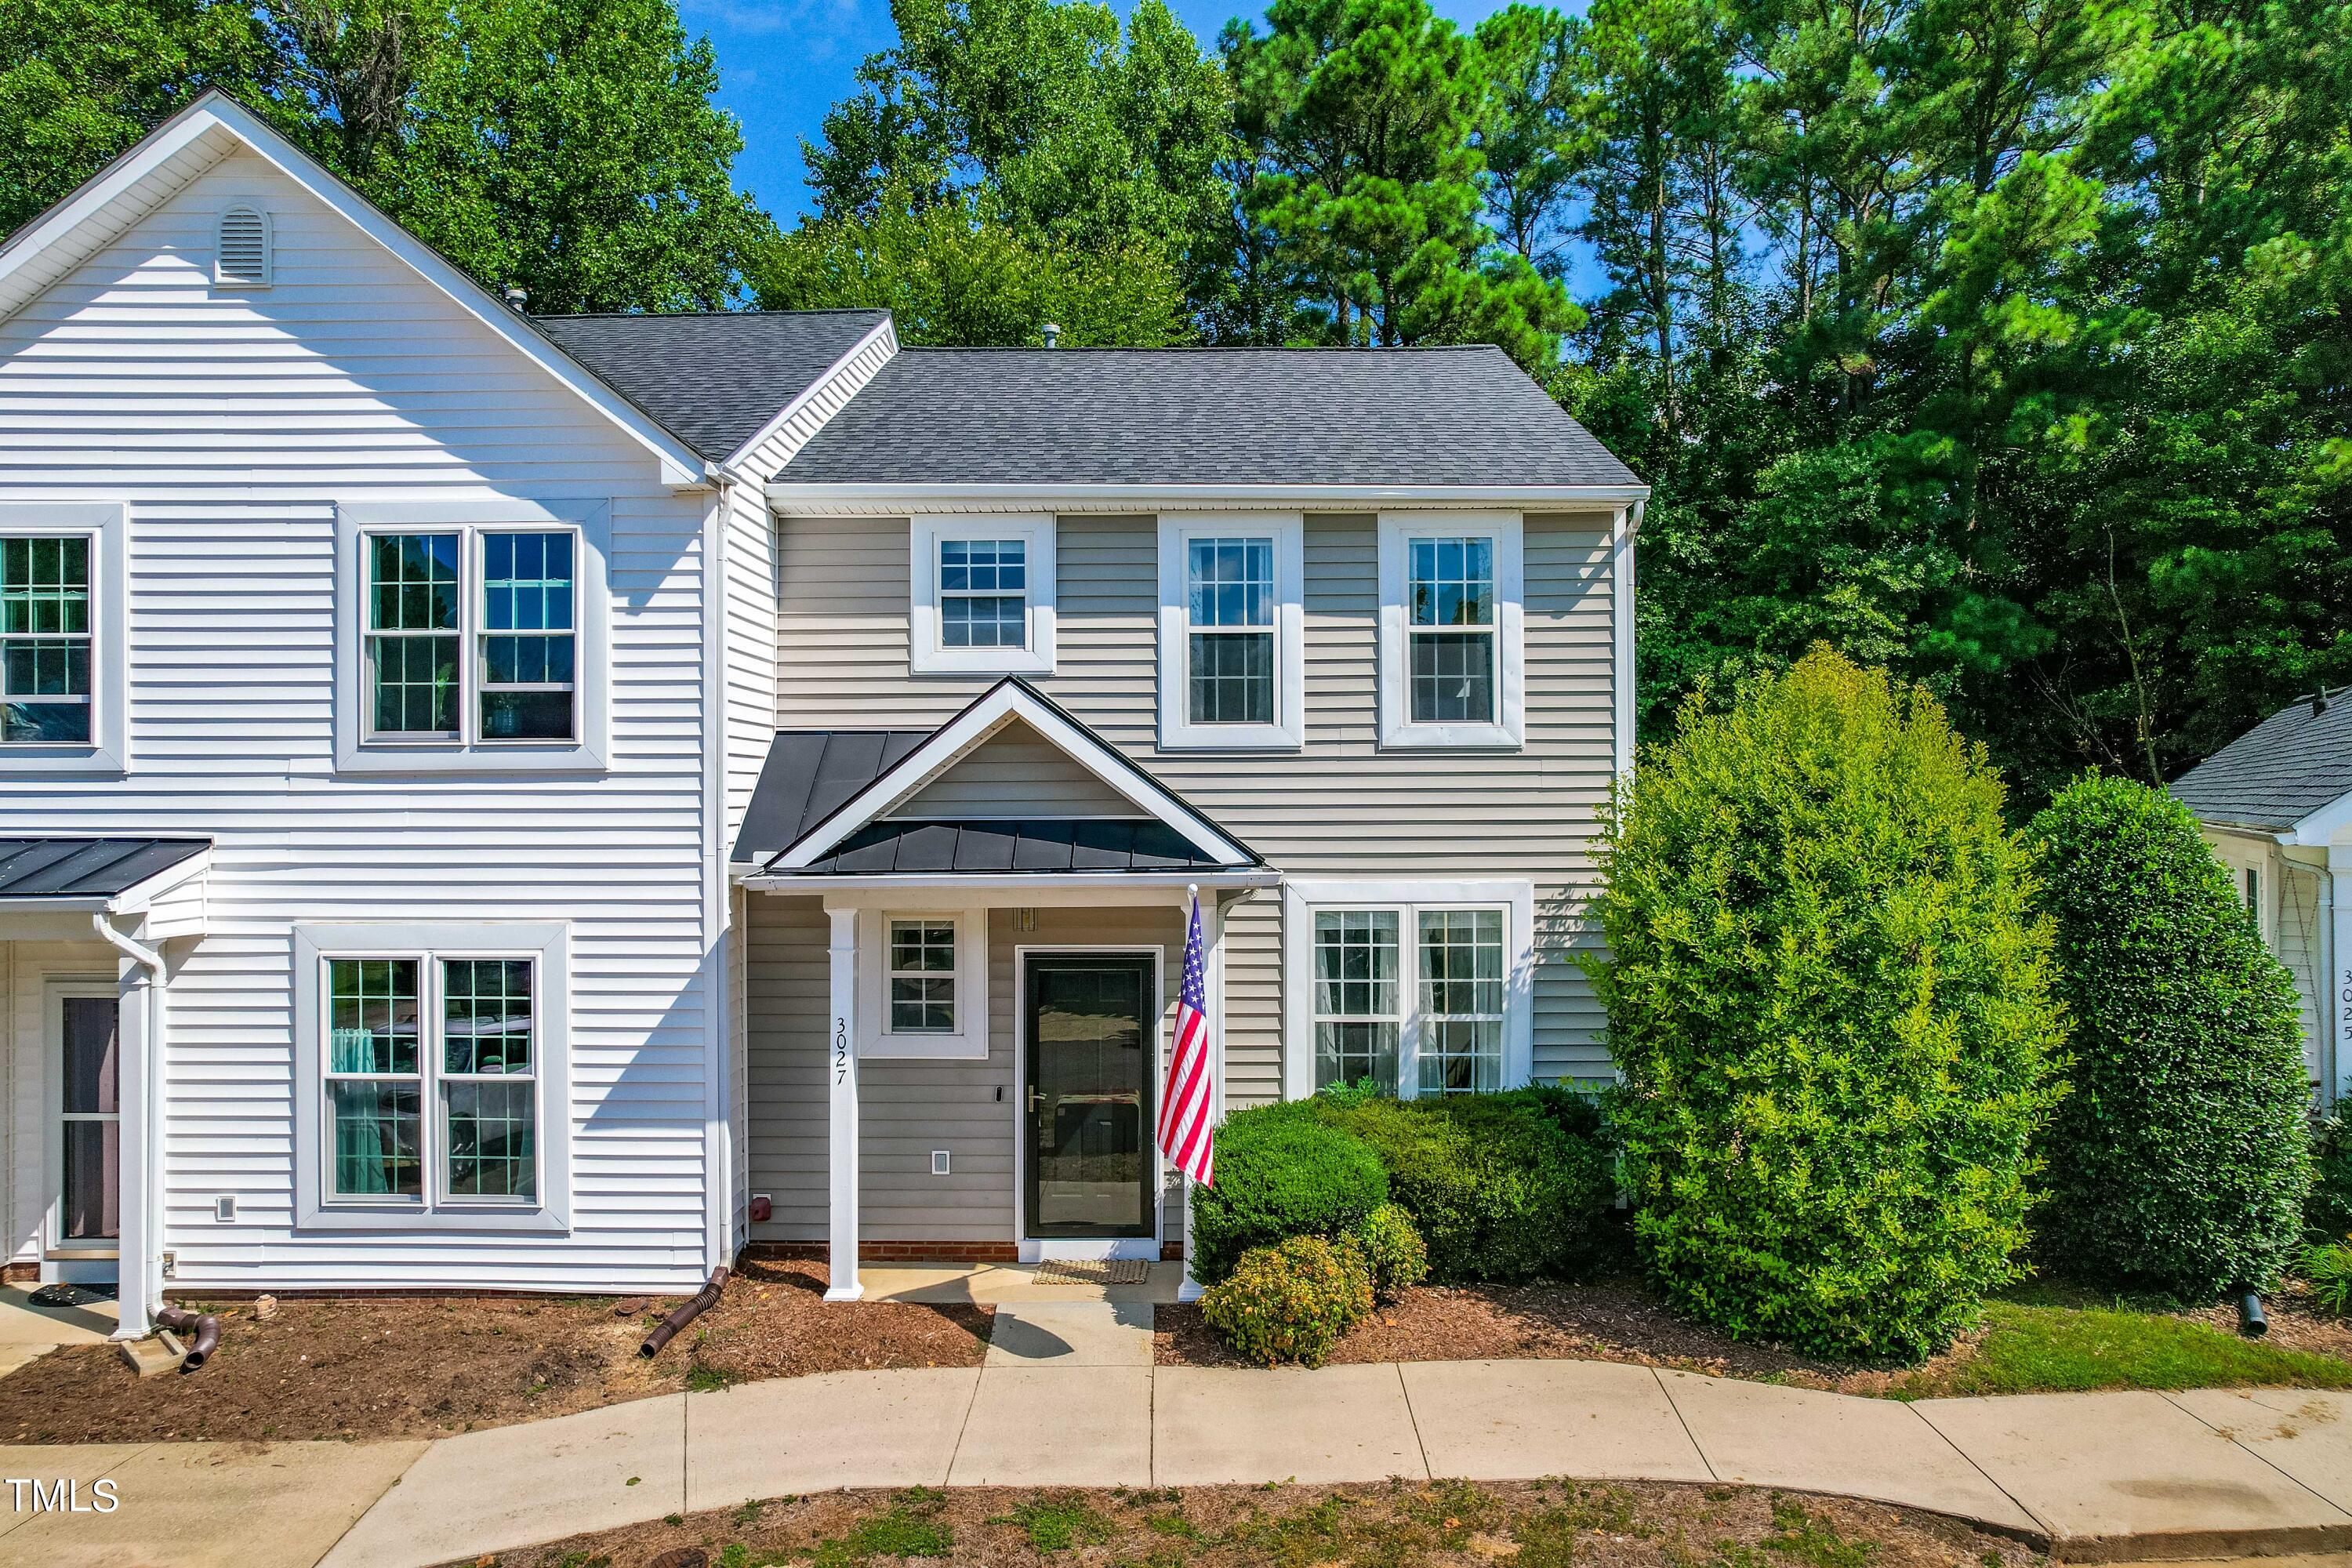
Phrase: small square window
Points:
(982, 595)
(922, 977)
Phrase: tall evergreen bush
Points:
(2180, 1163)
(1829, 1000)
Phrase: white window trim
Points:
(1509, 533)
(1288, 730)
(926, 655)
(589, 520)
(1515, 898)
(549, 945)
(874, 1037)
(106, 752)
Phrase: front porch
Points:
(990, 1030)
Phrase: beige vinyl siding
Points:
(1341, 805)
(2298, 944)
(234, 426)
(909, 1108)
(1253, 1002)
(1017, 772)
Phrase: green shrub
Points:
(1280, 1174)
(1828, 999)
(2179, 1163)
(1497, 1185)
(1393, 1252)
(2327, 1212)
(1290, 1301)
(2327, 1271)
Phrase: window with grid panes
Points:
(1458, 1047)
(922, 976)
(413, 634)
(1357, 1006)
(1230, 605)
(1450, 628)
(375, 1080)
(984, 592)
(527, 637)
(45, 640)
(489, 1098)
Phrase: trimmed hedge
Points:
(1289, 1302)
(2179, 1163)
(1829, 995)
(1281, 1174)
(1497, 1185)
(1391, 1249)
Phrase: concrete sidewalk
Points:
(1069, 1397)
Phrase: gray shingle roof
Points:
(1380, 417)
(87, 868)
(2278, 773)
(713, 380)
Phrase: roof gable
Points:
(215, 126)
(815, 794)
(1018, 773)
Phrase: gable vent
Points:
(242, 256)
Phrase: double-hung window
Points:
(471, 638)
(46, 639)
(1231, 654)
(982, 596)
(473, 644)
(1452, 621)
(432, 1069)
(922, 976)
(1411, 987)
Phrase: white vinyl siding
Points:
(234, 429)
(1341, 805)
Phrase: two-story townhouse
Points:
(501, 802)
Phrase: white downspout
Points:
(137, 1270)
(2335, 995)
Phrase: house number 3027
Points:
(841, 1050)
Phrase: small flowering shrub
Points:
(1289, 1302)
(1391, 1250)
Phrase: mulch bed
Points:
(1606, 1321)
(393, 1367)
(1398, 1524)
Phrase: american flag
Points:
(1187, 1135)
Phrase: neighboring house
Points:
(495, 802)
(2276, 805)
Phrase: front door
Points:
(1092, 1039)
(87, 1128)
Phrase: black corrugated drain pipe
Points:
(701, 1301)
(2251, 1321)
(206, 1328)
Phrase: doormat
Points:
(70, 1295)
(1092, 1271)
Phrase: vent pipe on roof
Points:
(2319, 702)
(517, 298)
(1053, 335)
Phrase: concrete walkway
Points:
(1068, 1396)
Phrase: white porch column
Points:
(135, 1089)
(841, 1070)
(2335, 998)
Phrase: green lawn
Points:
(2030, 1349)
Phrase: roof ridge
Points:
(674, 315)
(1200, 349)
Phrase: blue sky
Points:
(783, 62)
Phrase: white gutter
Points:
(787, 500)
(134, 1280)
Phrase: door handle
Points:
(1035, 1099)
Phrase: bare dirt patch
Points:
(1398, 1524)
(393, 1367)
